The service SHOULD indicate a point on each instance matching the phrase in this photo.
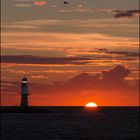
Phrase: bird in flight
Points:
(65, 2)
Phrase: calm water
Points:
(72, 123)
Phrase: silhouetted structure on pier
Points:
(24, 94)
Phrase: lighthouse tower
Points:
(24, 94)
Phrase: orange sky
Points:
(58, 47)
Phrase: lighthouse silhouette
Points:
(24, 94)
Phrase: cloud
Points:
(24, 0)
(107, 85)
(126, 13)
(40, 3)
(38, 77)
(27, 59)
(31, 3)
(110, 80)
(65, 11)
(117, 13)
(23, 5)
(113, 79)
(124, 53)
(44, 40)
(104, 26)
(74, 56)
(19, 27)
(120, 13)
(10, 87)
(80, 8)
(116, 75)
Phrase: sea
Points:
(70, 123)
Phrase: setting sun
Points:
(91, 104)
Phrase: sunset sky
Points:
(72, 54)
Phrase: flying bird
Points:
(65, 2)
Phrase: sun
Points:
(91, 104)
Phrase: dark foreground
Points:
(71, 123)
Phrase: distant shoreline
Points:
(51, 109)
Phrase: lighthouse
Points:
(24, 94)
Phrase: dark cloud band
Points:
(126, 14)
(28, 59)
